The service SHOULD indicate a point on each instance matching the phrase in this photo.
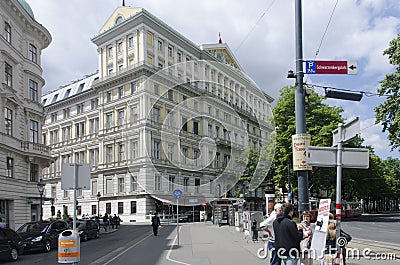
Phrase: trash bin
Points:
(69, 247)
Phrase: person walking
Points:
(268, 223)
(105, 221)
(254, 230)
(155, 222)
(287, 236)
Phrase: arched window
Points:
(119, 20)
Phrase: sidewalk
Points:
(208, 244)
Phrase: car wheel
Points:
(14, 254)
(84, 237)
(47, 246)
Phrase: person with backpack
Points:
(155, 222)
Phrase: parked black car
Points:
(88, 228)
(11, 244)
(42, 235)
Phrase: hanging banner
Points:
(299, 144)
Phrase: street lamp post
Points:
(40, 186)
(98, 195)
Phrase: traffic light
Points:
(339, 94)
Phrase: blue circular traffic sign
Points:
(177, 194)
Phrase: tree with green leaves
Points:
(388, 112)
(321, 120)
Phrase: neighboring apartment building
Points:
(161, 114)
(22, 154)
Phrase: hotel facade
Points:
(160, 114)
(22, 153)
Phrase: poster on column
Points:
(299, 144)
(318, 241)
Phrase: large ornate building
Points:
(161, 114)
(22, 154)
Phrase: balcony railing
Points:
(26, 146)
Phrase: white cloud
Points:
(265, 47)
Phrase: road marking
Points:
(170, 250)
(101, 260)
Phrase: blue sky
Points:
(261, 35)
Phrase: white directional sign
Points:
(349, 131)
(327, 157)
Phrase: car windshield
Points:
(80, 225)
(35, 227)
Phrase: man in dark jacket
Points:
(155, 222)
(287, 236)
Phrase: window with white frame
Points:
(134, 148)
(157, 182)
(185, 184)
(197, 185)
(156, 114)
(8, 118)
(184, 155)
(209, 130)
(66, 113)
(184, 124)
(160, 45)
(34, 131)
(133, 183)
(32, 53)
(109, 154)
(170, 51)
(120, 46)
(8, 74)
(121, 92)
(80, 129)
(94, 157)
(130, 42)
(33, 90)
(196, 153)
(121, 152)
(121, 117)
(121, 184)
(7, 32)
(133, 87)
(109, 120)
(171, 183)
(170, 152)
(93, 125)
(133, 207)
(94, 103)
(33, 172)
(134, 114)
(94, 187)
(156, 149)
(109, 96)
(10, 167)
(109, 185)
(169, 118)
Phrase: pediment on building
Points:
(222, 52)
(120, 14)
(10, 99)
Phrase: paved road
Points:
(204, 244)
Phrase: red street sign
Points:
(331, 67)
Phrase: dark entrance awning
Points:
(190, 200)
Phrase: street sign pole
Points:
(339, 187)
(300, 109)
(177, 219)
